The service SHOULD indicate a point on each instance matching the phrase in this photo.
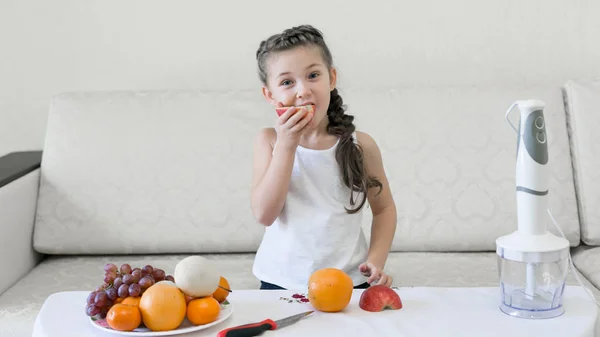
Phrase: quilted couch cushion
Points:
(582, 100)
(169, 172)
(151, 172)
(20, 304)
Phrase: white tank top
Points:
(313, 230)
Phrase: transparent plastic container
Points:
(532, 290)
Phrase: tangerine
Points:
(163, 307)
(203, 310)
(330, 289)
(122, 317)
(130, 300)
(221, 294)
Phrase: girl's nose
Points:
(303, 90)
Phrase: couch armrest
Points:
(17, 164)
(19, 182)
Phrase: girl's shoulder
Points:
(370, 149)
(267, 135)
(366, 142)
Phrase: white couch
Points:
(165, 174)
(149, 177)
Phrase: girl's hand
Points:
(290, 126)
(375, 274)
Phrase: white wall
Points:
(52, 46)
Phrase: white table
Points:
(427, 312)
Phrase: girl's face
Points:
(300, 76)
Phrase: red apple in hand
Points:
(378, 298)
(281, 110)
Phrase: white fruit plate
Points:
(185, 327)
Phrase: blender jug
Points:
(532, 262)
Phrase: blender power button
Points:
(539, 122)
(541, 137)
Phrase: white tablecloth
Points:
(427, 312)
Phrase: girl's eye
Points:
(313, 75)
(286, 82)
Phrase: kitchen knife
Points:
(255, 329)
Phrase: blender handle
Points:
(508, 120)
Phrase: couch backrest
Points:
(169, 171)
(582, 101)
(150, 171)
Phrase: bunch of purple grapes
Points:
(120, 283)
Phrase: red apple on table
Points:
(378, 298)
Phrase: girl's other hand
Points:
(375, 274)
(290, 126)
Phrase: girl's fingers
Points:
(301, 125)
(363, 268)
(385, 280)
(286, 116)
(367, 269)
(297, 117)
(375, 276)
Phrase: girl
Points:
(313, 173)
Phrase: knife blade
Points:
(255, 329)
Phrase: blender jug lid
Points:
(532, 248)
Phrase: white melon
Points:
(197, 276)
(167, 282)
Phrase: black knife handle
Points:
(248, 330)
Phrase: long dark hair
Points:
(349, 155)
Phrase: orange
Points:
(203, 310)
(123, 317)
(163, 307)
(330, 290)
(221, 294)
(130, 300)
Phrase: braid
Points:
(300, 34)
(349, 155)
(290, 38)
